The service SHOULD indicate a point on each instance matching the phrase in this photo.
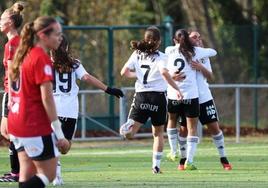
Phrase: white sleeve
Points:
(80, 71)
(131, 61)
(206, 64)
(203, 53)
(168, 49)
(163, 62)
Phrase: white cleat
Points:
(126, 128)
(58, 181)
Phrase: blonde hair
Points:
(14, 13)
(27, 41)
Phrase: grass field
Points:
(128, 164)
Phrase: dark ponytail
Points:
(150, 43)
(186, 47)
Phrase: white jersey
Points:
(203, 86)
(177, 61)
(65, 91)
(147, 71)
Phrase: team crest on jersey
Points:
(48, 70)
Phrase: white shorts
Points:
(37, 148)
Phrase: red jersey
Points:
(10, 49)
(27, 116)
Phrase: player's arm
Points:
(199, 67)
(49, 105)
(97, 83)
(127, 72)
(164, 72)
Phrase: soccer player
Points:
(33, 124)
(208, 112)
(10, 21)
(179, 61)
(67, 70)
(149, 100)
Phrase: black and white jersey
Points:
(147, 71)
(65, 91)
(177, 62)
(203, 86)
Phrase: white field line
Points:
(245, 150)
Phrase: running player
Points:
(32, 118)
(180, 59)
(11, 20)
(151, 84)
(65, 90)
(208, 112)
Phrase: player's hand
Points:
(179, 95)
(179, 76)
(196, 65)
(63, 145)
(115, 92)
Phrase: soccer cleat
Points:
(225, 164)
(181, 164)
(189, 166)
(126, 128)
(9, 178)
(156, 170)
(58, 181)
(171, 157)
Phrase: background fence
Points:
(103, 50)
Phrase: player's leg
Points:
(182, 144)
(158, 118)
(13, 175)
(209, 116)
(43, 154)
(191, 113)
(68, 126)
(136, 118)
(158, 145)
(172, 133)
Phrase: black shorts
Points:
(68, 126)
(208, 112)
(4, 105)
(187, 107)
(149, 105)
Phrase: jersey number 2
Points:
(182, 64)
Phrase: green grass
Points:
(128, 164)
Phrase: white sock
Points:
(58, 172)
(192, 142)
(43, 178)
(219, 143)
(157, 159)
(183, 146)
(173, 139)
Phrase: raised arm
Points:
(97, 83)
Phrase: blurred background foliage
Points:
(235, 28)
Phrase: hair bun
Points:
(18, 6)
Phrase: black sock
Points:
(14, 160)
(34, 182)
(21, 184)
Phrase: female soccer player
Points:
(180, 59)
(208, 112)
(65, 91)
(10, 21)
(150, 98)
(33, 124)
